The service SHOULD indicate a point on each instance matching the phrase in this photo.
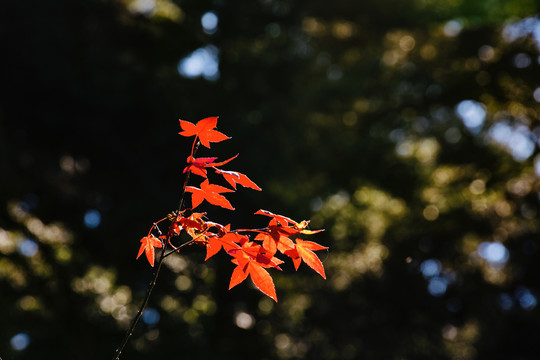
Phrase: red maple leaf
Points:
(227, 242)
(221, 163)
(289, 226)
(234, 177)
(303, 250)
(191, 223)
(210, 193)
(283, 220)
(148, 243)
(251, 260)
(273, 240)
(198, 165)
(260, 277)
(204, 130)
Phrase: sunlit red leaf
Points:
(204, 130)
(216, 243)
(260, 255)
(262, 280)
(286, 226)
(148, 243)
(260, 277)
(234, 177)
(283, 220)
(192, 223)
(198, 165)
(221, 163)
(272, 241)
(251, 260)
(239, 274)
(210, 193)
(222, 230)
(303, 250)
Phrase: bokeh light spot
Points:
(449, 332)
(150, 316)
(431, 212)
(486, 53)
(521, 60)
(28, 248)
(92, 219)
(472, 113)
(20, 341)
(452, 135)
(437, 286)
(517, 140)
(536, 94)
(452, 28)
(407, 43)
(493, 252)
(430, 268)
(202, 62)
(526, 299)
(209, 22)
(244, 320)
(522, 28)
(143, 6)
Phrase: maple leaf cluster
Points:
(252, 251)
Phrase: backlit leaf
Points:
(148, 243)
(204, 130)
(210, 193)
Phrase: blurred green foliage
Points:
(408, 130)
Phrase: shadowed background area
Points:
(408, 130)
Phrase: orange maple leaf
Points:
(273, 241)
(204, 130)
(303, 250)
(260, 277)
(198, 165)
(227, 242)
(234, 177)
(251, 260)
(282, 220)
(288, 225)
(148, 243)
(210, 193)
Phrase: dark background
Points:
(407, 129)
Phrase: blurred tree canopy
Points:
(408, 130)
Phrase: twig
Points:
(141, 309)
(178, 248)
(158, 266)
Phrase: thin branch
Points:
(178, 248)
(259, 230)
(162, 257)
(141, 309)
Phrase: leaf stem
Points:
(193, 151)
